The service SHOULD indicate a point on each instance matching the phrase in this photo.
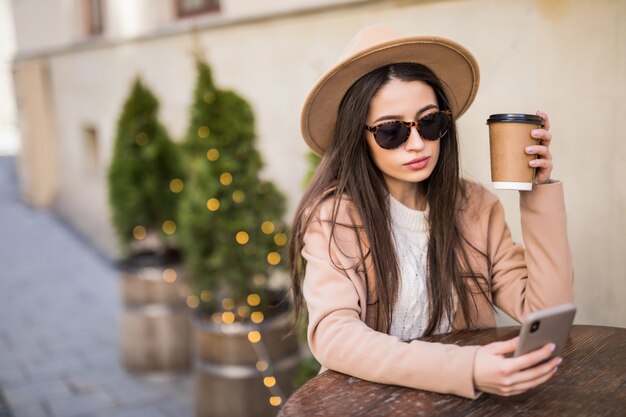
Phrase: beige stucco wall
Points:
(38, 159)
(566, 57)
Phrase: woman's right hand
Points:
(497, 374)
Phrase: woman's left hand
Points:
(543, 163)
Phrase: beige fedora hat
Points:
(374, 47)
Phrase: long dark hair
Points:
(347, 169)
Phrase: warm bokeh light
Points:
(176, 185)
(213, 204)
(254, 300)
(217, 318)
(192, 301)
(203, 132)
(238, 196)
(226, 178)
(242, 237)
(257, 317)
(243, 311)
(273, 258)
(142, 139)
(280, 239)
(267, 227)
(228, 303)
(228, 317)
(169, 227)
(275, 401)
(259, 280)
(169, 275)
(254, 336)
(139, 232)
(269, 381)
(262, 366)
(206, 296)
(213, 154)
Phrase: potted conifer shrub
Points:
(144, 181)
(232, 236)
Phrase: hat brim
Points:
(454, 65)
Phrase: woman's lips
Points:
(418, 163)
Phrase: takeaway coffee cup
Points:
(509, 135)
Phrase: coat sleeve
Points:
(541, 274)
(341, 341)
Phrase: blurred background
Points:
(66, 69)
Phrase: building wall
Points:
(566, 57)
(9, 142)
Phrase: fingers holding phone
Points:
(537, 353)
(498, 374)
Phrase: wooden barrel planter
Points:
(234, 376)
(155, 325)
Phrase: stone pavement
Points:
(59, 312)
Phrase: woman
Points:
(390, 244)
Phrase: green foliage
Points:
(223, 166)
(144, 162)
(313, 160)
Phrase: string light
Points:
(243, 311)
(206, 296)
(169, 227)
(228, 317)
(139, 232)
(142, 139)
(254, 336)
(226, 179)
(267, 227)
(176, 185)
(228, 303)
(257, 317)
(242, 237)
(253, 300)
(280, 239)
(259, 280)
(192, 301)
(238, 196)
(203, 132)
(212, 154)
(273, 258)
(213, 204)
(169, 275)
(262, 366)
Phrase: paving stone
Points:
(32, 410)
(11, 374)
(142, 411)
(79, 404)
(178, 408)
(59, 333)
(34, 392)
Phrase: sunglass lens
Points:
(391, 135)
(434, 126)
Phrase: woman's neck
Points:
(410, 195)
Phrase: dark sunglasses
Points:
(392, 135)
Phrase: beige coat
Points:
(520, 281)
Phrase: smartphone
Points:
(550, 325)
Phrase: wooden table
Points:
(591, 381)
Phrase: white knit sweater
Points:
(410, 234)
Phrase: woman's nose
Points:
(415, 141)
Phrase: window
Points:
(92, 154)
(93, 17)
(185, 8)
